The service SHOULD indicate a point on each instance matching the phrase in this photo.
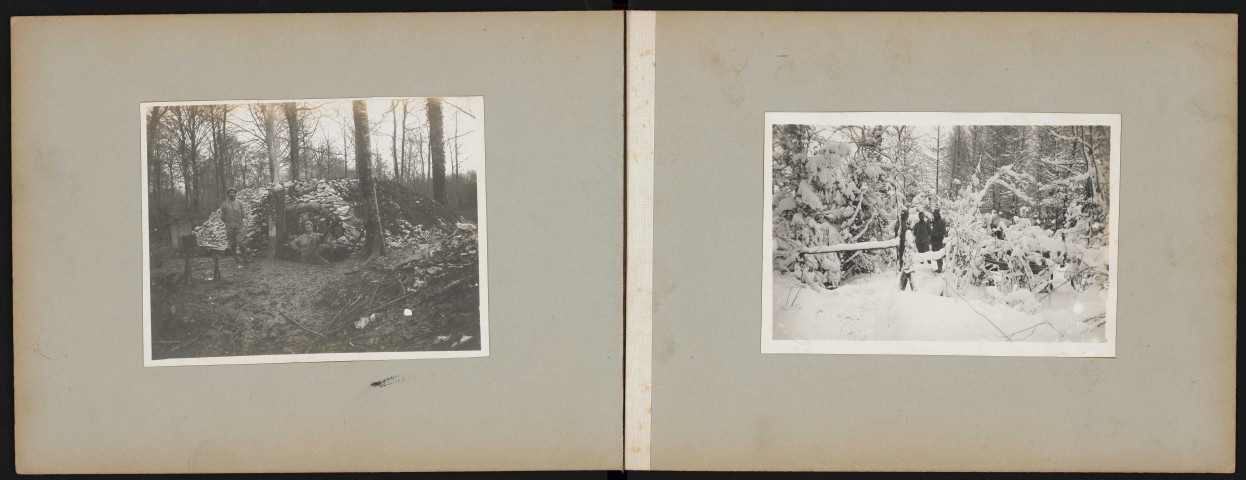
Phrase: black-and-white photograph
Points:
(314, 230)
(940, 233)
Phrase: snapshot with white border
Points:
(309, 230)
(940, 233)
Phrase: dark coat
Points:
(921, 232)
(938, 229)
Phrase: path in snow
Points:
(872, 307)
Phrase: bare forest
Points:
(196, 151)
(317, 226)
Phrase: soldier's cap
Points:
(231, 189)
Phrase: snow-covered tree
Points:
(986, 249)
(1021, 203)
(828, 193)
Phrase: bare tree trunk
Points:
(277, 222)
(155, 213)
(456, 159)
(403, 174)
(953, 156)
(183, 155)
(345, 157)
(938, 149)
(292, 122)
(374, 236)
(276, 217)
(419, 154)
(218, 148)
(393, 136)
(194, 123)
(270, 134)
(437, 150)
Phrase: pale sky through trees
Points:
(334, 114)
(924, 133)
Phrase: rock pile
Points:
(334, 207)
(255, 222)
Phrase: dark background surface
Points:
(81, 7)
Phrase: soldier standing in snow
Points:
(922, 233)
(231, 216)
(938, 230)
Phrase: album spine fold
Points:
(639, 80)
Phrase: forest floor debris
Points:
(271, 307)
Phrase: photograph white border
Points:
(975, 348)
(482, 249)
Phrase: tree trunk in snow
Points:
(938, 148)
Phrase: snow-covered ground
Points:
(872, 307)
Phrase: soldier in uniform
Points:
(232, 216)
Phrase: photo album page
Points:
(318, 243)
(942, 242)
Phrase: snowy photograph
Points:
(940, 233)
(314, 230)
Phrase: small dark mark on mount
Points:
(387, 381)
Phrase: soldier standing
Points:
(232, 215)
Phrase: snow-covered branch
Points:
(1052, 131)
(998, 179)
(848, 247)
(927, 256)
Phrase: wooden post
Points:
(188, 246)
(277, 222)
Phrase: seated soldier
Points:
(308, 245)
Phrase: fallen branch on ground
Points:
(1034, 328)
(299, 324)
(337, 325)
(793, 254)
(970, 305)
(404, 297)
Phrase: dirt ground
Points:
(269, 307)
